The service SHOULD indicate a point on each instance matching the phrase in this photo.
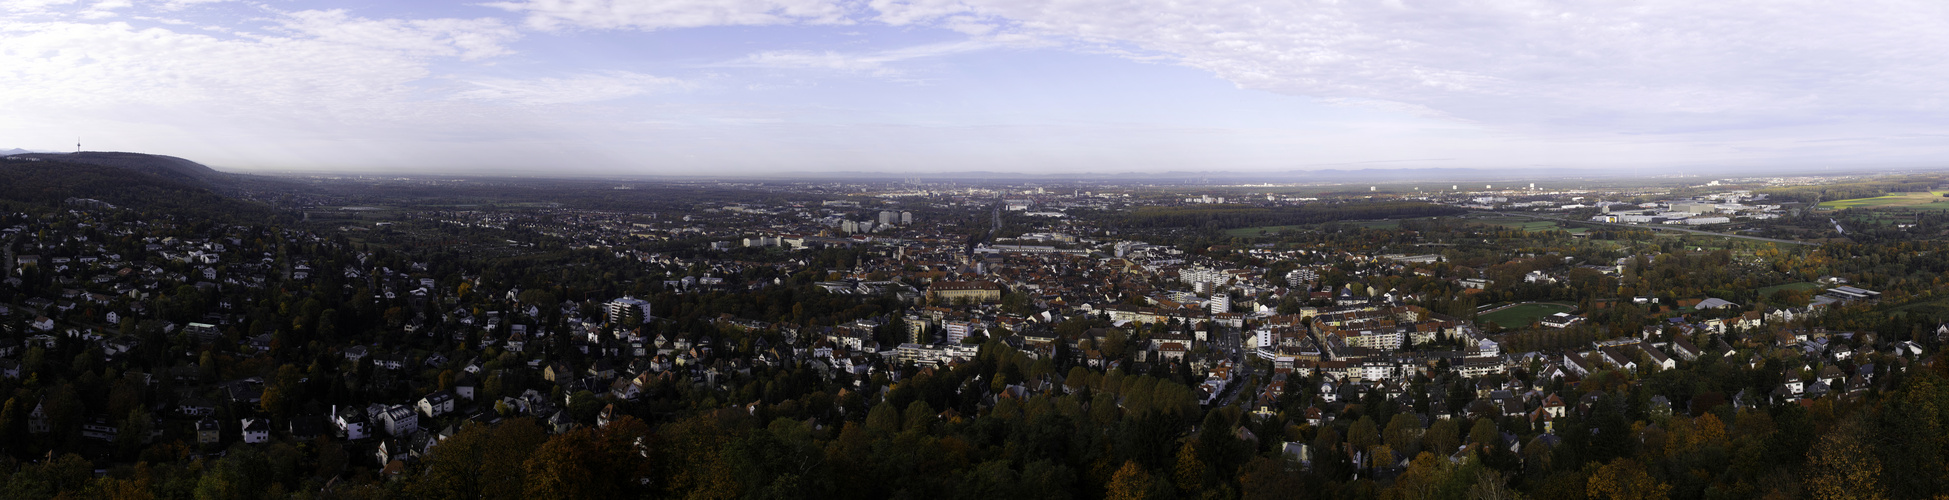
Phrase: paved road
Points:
(1242, 370)
(1657, 228)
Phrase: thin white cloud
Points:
(105, 9)
(631, 14)
(465, 38)
(183, 4)
(875, 63)
(571, 90)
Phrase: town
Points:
(1025, 341)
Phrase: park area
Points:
(1932, 200)
(1522, 315)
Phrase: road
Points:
(1658, 228)
(1241, 367)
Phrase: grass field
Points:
(1914, 201)
(1789, 286)
(1522, 315)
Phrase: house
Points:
(465, 385)
(391, 449)
(203, 332)
(558, 372)
(1685, 350)
(1618, 358)
(196, 407)
(559, 422)
(1576, 364)
(1749, 320)
(1840, 352)
(398, 420)
(1657, 357)
(99, 428)
(436, 404)
(208, 432)
(307, 426)
(351, 423)
(37, 420)
(1561, 320)
(625, 389)
(257, 430)
(390, 361)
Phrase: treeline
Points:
(1851, 190)
(1235, 216)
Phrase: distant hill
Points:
(14, 151)
(150, 182)
(164, 166)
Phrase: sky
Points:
(766, 87)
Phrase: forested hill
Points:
(159, 165)
(152, 185)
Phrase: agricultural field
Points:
(1522, 315)
(1932, 200)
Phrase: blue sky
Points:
(754, 87)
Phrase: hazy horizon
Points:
(788, 87)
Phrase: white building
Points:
(257, 430)
(619, 308)
(1221, 303)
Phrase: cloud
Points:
(1638, 66)
(33, 6)
(629, 14)
(326, 62)
(183, 4)
(571, 90)
(1641, 67)
(874, 63)
(105, 9)
(465, 38)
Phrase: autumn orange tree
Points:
(1625, 479)
(1131, 482)
(1843, 467)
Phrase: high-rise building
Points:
(906, 218)
(958, 330)
(620, 308)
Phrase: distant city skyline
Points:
(757, 87)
